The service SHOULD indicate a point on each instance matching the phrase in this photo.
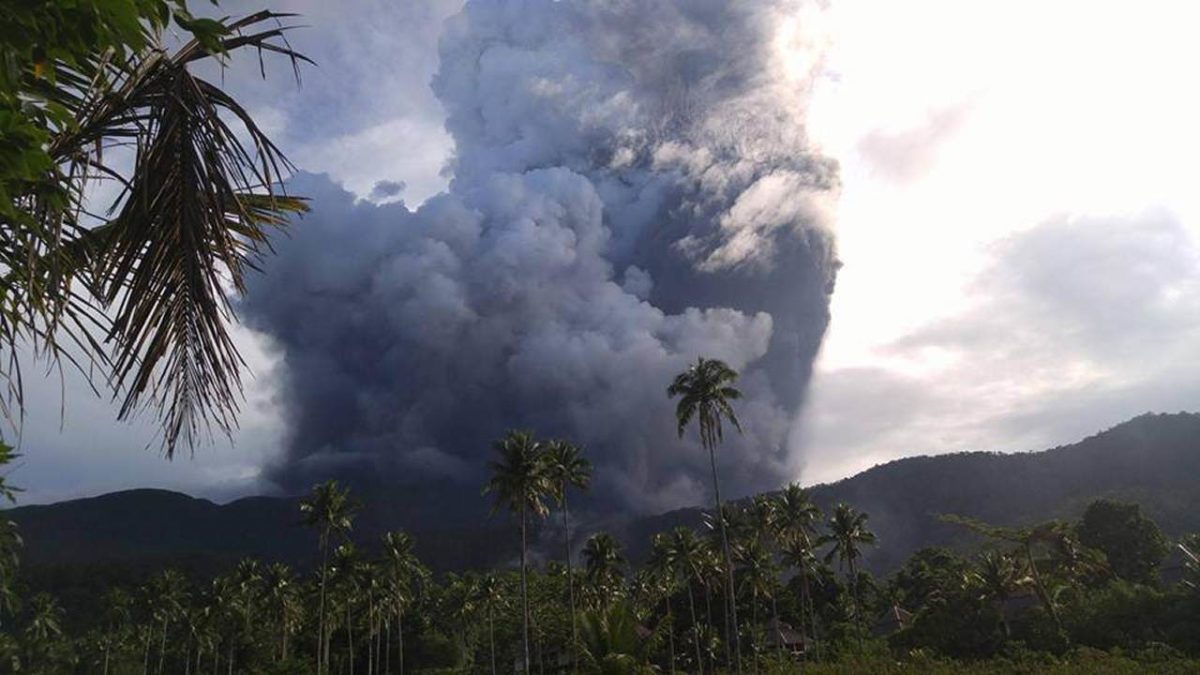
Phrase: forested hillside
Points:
(1153, 460)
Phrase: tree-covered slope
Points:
(1153, 460)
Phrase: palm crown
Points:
(706, 390)
(565, 466)
(847, 533)
(520, 481)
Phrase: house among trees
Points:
(892, 620)
(782, 636)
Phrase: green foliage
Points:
(365, 607)
(612, 642)
(135, 291)
(1132, 543)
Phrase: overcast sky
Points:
(1018, 225)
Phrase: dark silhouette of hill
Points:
(1153, 460)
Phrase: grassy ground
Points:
(1079, 661)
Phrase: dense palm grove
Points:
(1055, 592)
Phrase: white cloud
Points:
(1071, 327)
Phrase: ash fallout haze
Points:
(533, 214)
(632, 187)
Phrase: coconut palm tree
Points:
(489, 594)
(847, 534)
(403, 570)
(797, 519)
(167, 595)
(759, 576)
(603, 568)
(457, 608)
(330, 511)
(706, 394)
(1026, 538)
(998, 576)
(283, 596)
(612, 644)
(118, 613)
(146, 277)
(44, 627)
(682, 554)
(345, 584)
(566, 467)
(520, 484)
(248, 593)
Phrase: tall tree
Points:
(1132, 542)
(44, 627)
(345, 584)
(520, 484)
(998, 576)
(565, 468)
(330, 511)
(681, 554)
(1027, 538)
(848, 533)
(283, 597)
(706, 393)
(490, 595)
(403, 570)
(759, 576)
(603, 568)
(797, 519)
(168, 595)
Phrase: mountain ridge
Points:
(1153, 459)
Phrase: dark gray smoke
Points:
(632, 188)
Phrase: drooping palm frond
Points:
(144, 288)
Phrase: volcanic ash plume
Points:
(632, 188)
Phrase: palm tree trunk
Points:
(708, 616)
(570, 582)
(162, 647)
(492, 637)
(350, 638)
(806, 604)
(857, 603)
(146, 655)
(754, 629)
(1001, 602)
(524, 597)
(400, 636)
(670, 635)
(283, 627)
(370, 637)
(387, 648)
(731, 620)
(695, 628)
(537, 639)
(775, 618)
(1041, 589)
(321, 652)
(106, 649)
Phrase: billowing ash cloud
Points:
(632, 188)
